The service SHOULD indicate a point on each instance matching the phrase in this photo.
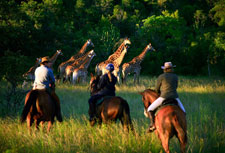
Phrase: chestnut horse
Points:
(170, 120)
(111, 109)
(39, 107)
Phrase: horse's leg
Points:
(164, 137)
(37, 122)
(182, 136)
(49, 126)
(29, 122)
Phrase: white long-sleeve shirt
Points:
(43, 77)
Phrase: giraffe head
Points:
(38, 60)
(91, 53)
(89, 43)
(150, 48)
(59, 52)
(126, 41)
(125, 48)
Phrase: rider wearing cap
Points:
(44, 79)
(166, 86)
(106, 87)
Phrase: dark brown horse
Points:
(111, 109)
(39, 107)
(170, 120)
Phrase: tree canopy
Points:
(191, 34)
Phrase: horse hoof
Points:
(59, 117)
(92, 122)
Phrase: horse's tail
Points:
(126, 116)
(28, 103)
(180, 129)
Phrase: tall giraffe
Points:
(117, 62)
(82, 50)
(63, 65)
(99, 67)
(134, 66)
(29, 75)
(54, 57)
(69, 69)
(81, 71)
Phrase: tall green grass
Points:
(203, 98)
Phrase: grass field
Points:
(203, 98)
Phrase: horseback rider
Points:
(44, 79)
(166, 86)
(106, 87)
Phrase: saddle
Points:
(170, 101)
(100, 100)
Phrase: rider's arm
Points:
(158, 85)
(102, 82)
(51, 76)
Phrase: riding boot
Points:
(57, 104)
(152, 122)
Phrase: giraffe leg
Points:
(138, 78)
(75, 77)
(135, 78)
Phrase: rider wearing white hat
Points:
(166, 86)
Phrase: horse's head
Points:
(93, 83)
(148, 97)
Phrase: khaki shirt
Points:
(166, 85)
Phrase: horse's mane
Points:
(94, 80)
(152, 91)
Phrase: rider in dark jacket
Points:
(166, 87)
(106, 87)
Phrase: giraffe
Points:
(99, 67)
(54, 57)
(117, 62)
(81, 71)
(29, 75)
(69, 69)
(83, 49)
(134, 66)
(63, 65)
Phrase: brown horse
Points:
(39, 107)
(111, 109)
(170, 120)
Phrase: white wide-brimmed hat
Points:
(168, 65)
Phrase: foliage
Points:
(39, 28)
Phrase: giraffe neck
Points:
(80, 59)
(119, 60)
(141, 57)
(82, 50)
(117, 53)
(37, 63)
(54, 57)
(87, 62)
